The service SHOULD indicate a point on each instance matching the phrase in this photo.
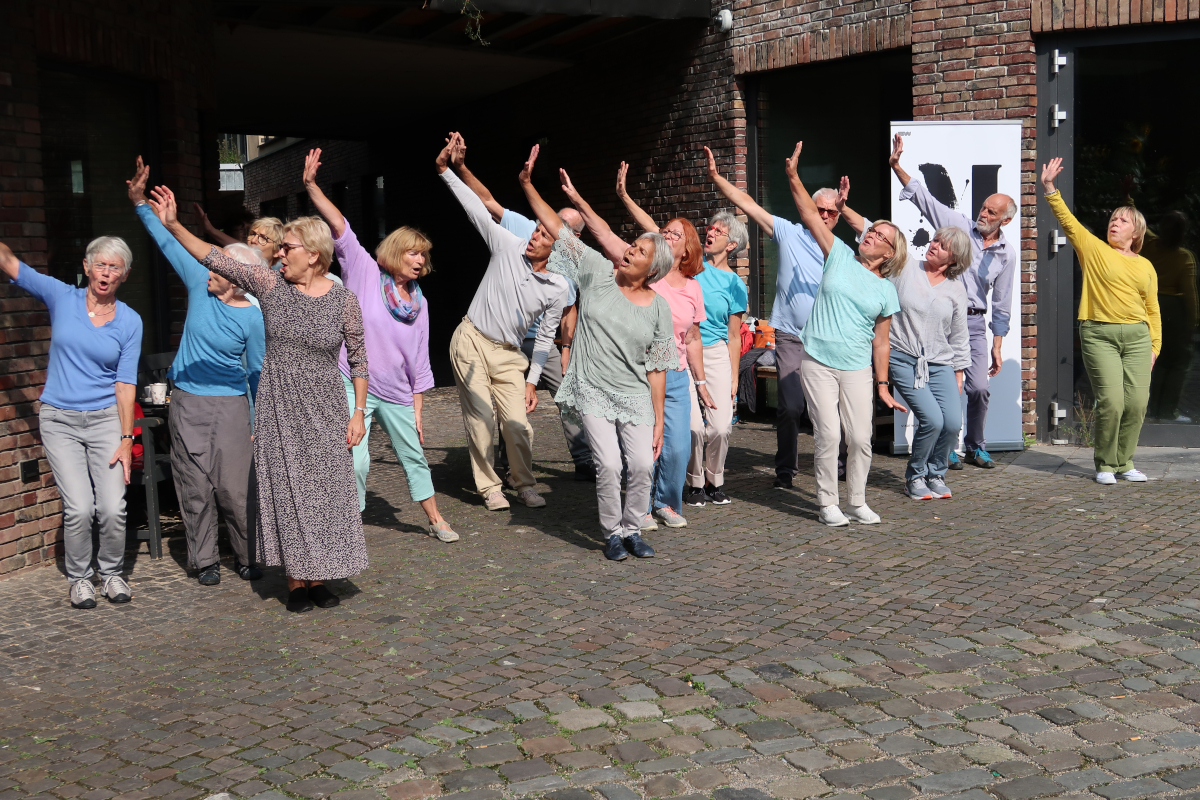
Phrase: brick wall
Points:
(152, 40)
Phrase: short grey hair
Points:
(1010, 209)
(737, 230)
(577, 228)
(824, 192)
(958, 243)
(113, 247)
(662, 260)
(246, 254)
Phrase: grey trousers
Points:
(211, 461)
(552, 377)
(79, 445)
(607, 439)
(792, 404)
(975, 383)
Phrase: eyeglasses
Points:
(828, 212)
(288, 247)
(107, 269)
(256, 236)
(715, 231)
(873, 232)
(672, 235)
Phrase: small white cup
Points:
(157, 393)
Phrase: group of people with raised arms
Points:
(282, 368)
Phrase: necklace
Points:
(111, 309)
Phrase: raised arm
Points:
(743, 201)
(493, 235)
(337, 222)
(856, 221)
(894, 160)
(541, 209)
(934, 210)
(640, 216)
(257, 280)
(189, 270)
(220, 237)
(458, 163)
(1083, 240)
(10, 265)
(809, 215)
(612, 245)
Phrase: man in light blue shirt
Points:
(556, 363)
(801, 265)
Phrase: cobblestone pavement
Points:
(1036, 636)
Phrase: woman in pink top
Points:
(396, 329)
(682, 292)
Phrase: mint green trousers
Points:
(1117, 359)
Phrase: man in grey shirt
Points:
(485, 350)
(993, 259)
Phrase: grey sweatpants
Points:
(79, 445)
(211, 460)
(607, 440)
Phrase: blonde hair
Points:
(269, 225)
(314, 234)
(392, 249)
(1139, 225)
(958, 243)
(893, 264)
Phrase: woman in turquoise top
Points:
(847, 330)
(616, 380)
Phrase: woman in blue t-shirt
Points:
(847, 331)
(86, 418)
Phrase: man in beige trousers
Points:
(485, 350)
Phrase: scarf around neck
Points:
(403, 310)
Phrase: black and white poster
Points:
(962, 162)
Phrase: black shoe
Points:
(324, 598)
(783, 481)
(715, 494)
(210, 575)
(955, 463)
(247, 572)
(585, 472)
(639, 548)
(298, 600)
(694, 496)
(615, 549)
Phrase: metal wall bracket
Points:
(1057, 240)
(1056, 61)
(1056, 116)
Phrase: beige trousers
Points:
(710, 429)
(488, 373)
(839, 400)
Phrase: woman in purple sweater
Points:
(396, 328)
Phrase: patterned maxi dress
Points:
(308, 518)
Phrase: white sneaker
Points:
(648, 523)
(83, 594)
(1135, 475)
(863, 514)
(1106, 478)
(833, 517)
(670, 517)
(116, 589)
(531, 498)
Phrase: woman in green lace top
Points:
(616, 379)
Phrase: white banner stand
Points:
(962, 162)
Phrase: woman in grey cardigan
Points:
(930, 351)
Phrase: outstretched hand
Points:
(568, 188)
(137, 185)
(162, 200)
(199, 209)
(443, 158)
(897, 151)
(622, 171)
(711, 163)
(843, 193)
(526, 175)
(790, 165)
(1051, 170)
(458, 152)
(312, 162)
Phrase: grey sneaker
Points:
(531, 498)
(443, 532)
(670, 517)
(863, 515)
(116, 589)
(83, 594)
(938, 488)
(496, 501)
(648, 523)
(917, 489)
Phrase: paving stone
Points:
(1182, 740)
(681, 744)
(706, 778)
(1059, 761)
(733, 697)
(491, 756)
(1060, 716)
(658, 765)
(590, 777)
(897, 792)
(865, 775)
(735, 716)
(740, 794)
(1144, 765)
(586, 759)
(353, 771)
(647, 730)
(548, 745)
(323, 787)
(722, 755)
(617, 791)
(712, 681)
(469, 779)
(596, 737)
(948, 737)
(633, 750)
(674, 687)
(722, 739)
(798, 788)
(904, 746)
(883, 727)
(827, 701)
(1127, 790)
(637, 710)
(600, 697)
(537, 785)
(582, 718)
(525, 710)
(1024, 723)
(693, 723)
(407, 790)
(526, 770)
(1083, 779)
(446, 733)
(769, 729)
(569, 794)
(1186, 779)
(416, 747)
(1104, 732)
(958, 781)
(437, 765)
(986, 753)
(559, 704)
(535, 729)
(777, 746)
(680, 705)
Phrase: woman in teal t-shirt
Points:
(847, 330)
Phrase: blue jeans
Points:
(937, 410)
(670, 471)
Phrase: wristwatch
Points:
(128, 436)
(883, 383)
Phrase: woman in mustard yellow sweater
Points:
(1119, 329)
